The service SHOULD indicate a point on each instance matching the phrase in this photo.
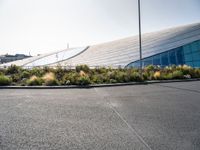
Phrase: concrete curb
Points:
(98, 85)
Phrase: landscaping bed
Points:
(83, 75)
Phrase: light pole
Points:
(140, 37)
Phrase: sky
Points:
(41, 26)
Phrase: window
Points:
(180, 56)
(187, 49)
(172, 57)
(147, 61)
(156, 60)
(135, 64)
(196, 63)
(164, 59)
(190, 64)
(196, 56)
(195, 46)
(188, 57)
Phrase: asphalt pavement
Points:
(140, 117)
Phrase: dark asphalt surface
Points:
(142, 117)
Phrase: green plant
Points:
(13, 69)
(83, 80)
(166, 76)
(84, 68)
(157, 75)
(135, 76)
(177, 74)
(34, 80)
(25, 74)
(5, 80)
(59, 72)
(15, 77)
(120, 76)
(50, 79)
(39, 72)
(113, 81)
(70, 78)
(149, 68)
(97, 79)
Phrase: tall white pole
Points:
(140, 36)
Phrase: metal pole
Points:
(140, 36)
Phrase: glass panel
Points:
(187, 49)
(180, 56)
(156, 60)
(189, 64)
(147, 61)
(164, 59)
(135, 64)
(56, 57)
(195, 46)
(188, 57)
(196, 56)
(172, 57)
(198, 45)
(197, 64)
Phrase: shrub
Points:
(50, 79)
(135, 76)
(70, 78)
(37, 72)
(84, 68)
(83, 80)
(113, 81)
(157, 75)
(149, 68)
(13, 69)
(4, 80)
(120, 76)
(15, 77)
(82, 73)
(25, 74)
(102, 70)
(177, 74)
(59, 72)
(1, 72)
(34, 80)
(185, 69)
(98, 79)
(166, 76)
(195, 73)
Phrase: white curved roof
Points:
(124, 51)
(120, 52)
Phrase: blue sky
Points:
(40, 26)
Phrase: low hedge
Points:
(83, 75)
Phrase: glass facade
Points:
(185, 55)
(56, 57)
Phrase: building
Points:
(173, 46)
(10, 58)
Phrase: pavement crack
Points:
(177, 88)
(139, 137)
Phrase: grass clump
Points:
(157, 75)
(84, 68)
(13, 69)
(177, 74)
(4, 80)
(49, 79)
(34, 81)
(83, 80)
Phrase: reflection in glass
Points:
(56, 57)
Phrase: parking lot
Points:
(141, 117)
